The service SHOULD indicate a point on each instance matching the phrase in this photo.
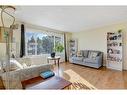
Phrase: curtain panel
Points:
(22, 46)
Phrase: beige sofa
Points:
(12, 79)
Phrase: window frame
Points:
(45, 33)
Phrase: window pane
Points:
(38, 43)
(31, 45)
(57, 40)
(47, 44)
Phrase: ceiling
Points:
(71, 18)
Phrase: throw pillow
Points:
(79, 54)
(14, 65)
(24, 65)
(93, 55)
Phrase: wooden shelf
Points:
(114, 48)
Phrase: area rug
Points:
(78, 83)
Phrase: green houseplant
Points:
(58, 48)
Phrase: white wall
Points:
(96, 39)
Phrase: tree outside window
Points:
(39, 43)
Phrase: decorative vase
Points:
(53, 54)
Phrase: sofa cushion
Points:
(77, 58)
(80, 54)
(93, 54)
(90, 60)
(85, 53)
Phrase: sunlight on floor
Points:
(77, 81)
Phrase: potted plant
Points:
(58, 48)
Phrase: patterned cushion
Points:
(79, 53)
(93, 54)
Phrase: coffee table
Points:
(51, 83)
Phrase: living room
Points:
(60, 40)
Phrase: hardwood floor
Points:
(101, 78)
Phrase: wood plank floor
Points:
(101, 78)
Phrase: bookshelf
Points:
(114, 50)
(73, 48)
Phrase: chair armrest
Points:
(99, 58)
(15, 77)
(34, 71)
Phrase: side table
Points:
(56, 58)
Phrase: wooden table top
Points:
(51, 83)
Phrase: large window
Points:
(38, 43)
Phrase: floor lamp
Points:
(7, 37)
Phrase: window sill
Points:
(42, 55)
